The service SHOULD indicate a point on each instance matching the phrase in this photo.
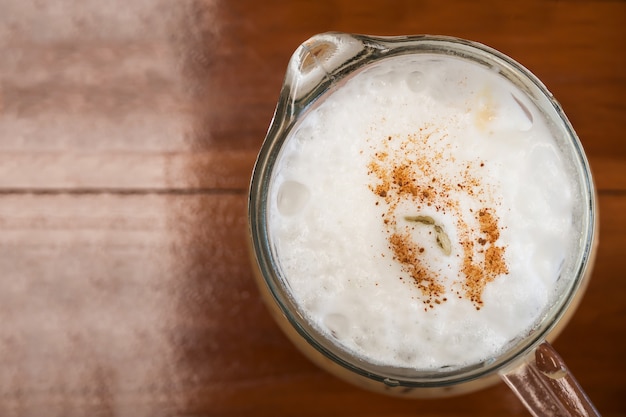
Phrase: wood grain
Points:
(128, 132)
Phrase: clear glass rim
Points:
(286, 116)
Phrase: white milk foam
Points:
(341, 227)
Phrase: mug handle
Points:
(546, 386)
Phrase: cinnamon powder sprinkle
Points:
(403, 174)
(408, 253)
(488, 225)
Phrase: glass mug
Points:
(530, 367)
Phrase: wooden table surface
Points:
(128, 132)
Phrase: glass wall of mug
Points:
(320, 70)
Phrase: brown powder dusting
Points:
(407, 253)
(381, 189)
(402, 173)
(494, 261)
(474, 278)
(479, 274)
(402, 179)
(488, 225)
(482, 268)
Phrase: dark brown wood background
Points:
(128, 132)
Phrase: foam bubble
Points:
(292, 197)
(415, 81)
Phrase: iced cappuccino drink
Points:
(423, 218)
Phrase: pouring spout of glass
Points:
(313, 68)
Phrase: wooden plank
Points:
(145, 303)
(120, 108)
(145, 171)
(176, 171)
(101, 295)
